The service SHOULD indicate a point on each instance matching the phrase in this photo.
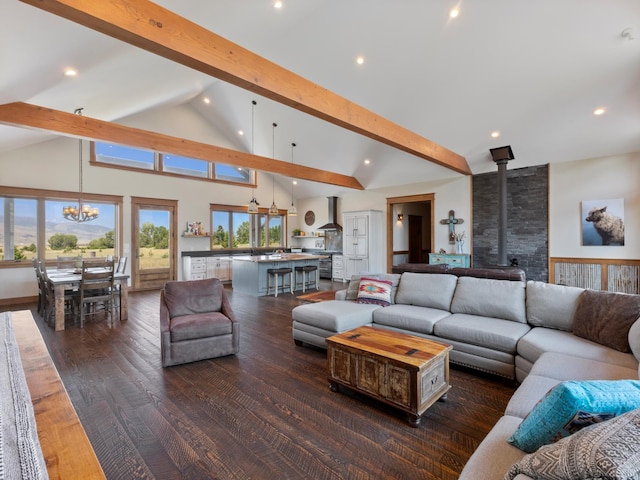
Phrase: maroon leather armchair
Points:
(196, 322)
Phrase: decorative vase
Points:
(459, 246)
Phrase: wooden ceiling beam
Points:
(20, 114)
(149, 26)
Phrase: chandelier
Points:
(82, 212)
(293, 211)
(273, 209)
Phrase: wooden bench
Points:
(65, 445)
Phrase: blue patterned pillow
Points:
(571, 406)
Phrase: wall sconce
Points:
(400, 217)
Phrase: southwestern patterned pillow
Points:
(374, 291)
(607, 450)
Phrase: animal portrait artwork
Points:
(603, 222)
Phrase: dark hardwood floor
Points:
(266, 413)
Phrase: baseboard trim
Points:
(7, 302)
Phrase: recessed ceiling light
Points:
(295, 182)
(360, 60)
(277, 4)
(495, 134)
(206, 100)
(599, 111)
(367, 161)
(240, 132)
(454, 12)
(70, 72)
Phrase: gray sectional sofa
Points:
(536, 333)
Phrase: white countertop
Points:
(279, 257)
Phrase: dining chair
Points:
(120, 266)
(96, 288)
(49, 299)
(67, 262)
(41, 286)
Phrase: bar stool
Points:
(275, 272)
(306, 276)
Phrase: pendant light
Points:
(253, 203)
(292, 209)
(273, 209)
(83, 212)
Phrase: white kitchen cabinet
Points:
(219, 267)
(362, 248)
(337, 267)
(199, 268)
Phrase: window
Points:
(19, 235)
(119, 156)
(66, 238)
(229, 173)
(33, 226)
(124, 156)
(185, 166)
(241, 228)
(233, 227)
(268, 229)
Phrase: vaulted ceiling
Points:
(533, 71)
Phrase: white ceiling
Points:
(534, 70)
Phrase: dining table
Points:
(69, 279)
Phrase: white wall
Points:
(53, 165)
(451, 194)
(571, 183)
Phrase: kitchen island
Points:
(250, 271)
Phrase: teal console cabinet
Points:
(453, 259)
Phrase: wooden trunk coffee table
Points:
(407, 372)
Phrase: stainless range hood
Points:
(333, 216)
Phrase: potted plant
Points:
(296, 232)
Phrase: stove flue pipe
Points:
(501, 156)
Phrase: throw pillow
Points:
(571, 406)
(607, 450)
(606, 317)
(374, 291)
(354, 285)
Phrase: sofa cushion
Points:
(409, 317)
(503, 299)
(540, 340)
(571, 406)
(606, 317)
(193, 296)
(199, 325)
(427, 290)
(493, 333)
(354, 284)
(373, 291)
(609, 449)
(576, 368)
(528, 394)
(334, 315)
(551, 306)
